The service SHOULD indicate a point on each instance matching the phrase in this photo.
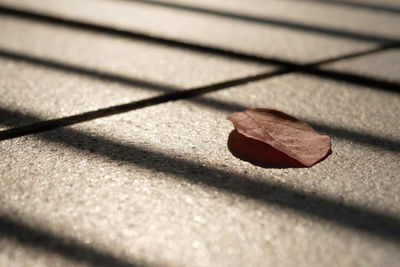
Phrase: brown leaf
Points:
(270, 138)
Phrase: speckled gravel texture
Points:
(157, 186)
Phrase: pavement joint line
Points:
(339, 132)
(375, 223)
(117, 109)
(257, 188)
(274, 22)
(163, 98)
(201, 48)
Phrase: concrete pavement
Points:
(157, 186)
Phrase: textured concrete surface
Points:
(295, 30)
(157, 186)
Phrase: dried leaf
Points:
(270, 138)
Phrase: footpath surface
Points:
(97, 170)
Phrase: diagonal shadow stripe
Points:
(37, 126)
(48, 125)
(306, 69)
(65, 247)
(361, 5)
(255, 188)
(275, 22)
(117, 109)
(94, 73)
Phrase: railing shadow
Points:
(64, 247)
(359, 5)
(375, 223)
(174, 94)
(287, 67)
(275, 22)
(93, 73)
(302, 68)
(38, 126)
(255, 188)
